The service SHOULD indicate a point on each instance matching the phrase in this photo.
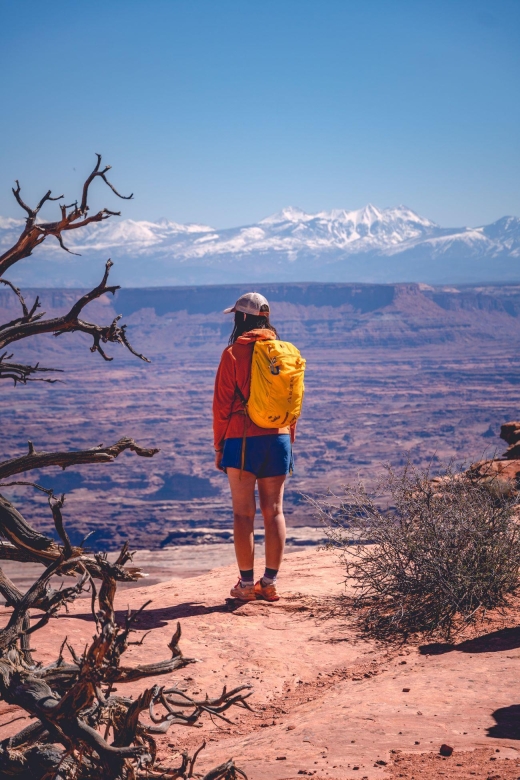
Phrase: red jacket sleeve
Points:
(224, 395)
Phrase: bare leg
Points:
(270, 491)
(244, 509)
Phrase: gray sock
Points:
(269, 577)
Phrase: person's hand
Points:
(218, 459)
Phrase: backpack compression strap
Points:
(243, 401)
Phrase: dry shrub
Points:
(441, 553)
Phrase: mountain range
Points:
(365, 245)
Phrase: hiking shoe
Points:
(266, 592)
(243, 592)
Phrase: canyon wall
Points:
(393, 372)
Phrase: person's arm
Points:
(223, 397)
(293, 431)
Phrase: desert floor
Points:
(327, 701)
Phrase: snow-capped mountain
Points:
(368, 244)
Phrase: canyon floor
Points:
(398, 378)
(328, 702)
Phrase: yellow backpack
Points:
(277, 388)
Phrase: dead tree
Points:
(80, 729)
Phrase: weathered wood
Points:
(35, 233)
(31, 322)
(38, 460)
(80, 729)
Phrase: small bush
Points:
(444, 550)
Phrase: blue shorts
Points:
(266, 456)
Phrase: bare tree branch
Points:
(32, 323)
(67, 699)
(18, 295)
(70, 322)
(10, 552)
(100, 454)
(34, 233)
(56, 505)
(22, 373)
(24, 543)
(28, 315)
(81, 730)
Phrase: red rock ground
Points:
(328, 703)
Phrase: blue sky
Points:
(224, 111)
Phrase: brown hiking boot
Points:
(266, 592)
(243, 592)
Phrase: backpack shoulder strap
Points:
(243, 401)
(238, 391)
(241, 395)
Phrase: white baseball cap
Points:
(250, 303)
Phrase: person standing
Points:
(248, 453)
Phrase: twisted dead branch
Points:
(80, 729)
(19, 372)
(21, 536)
(73, 216)
(32, 322)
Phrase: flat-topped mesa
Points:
(510, 433)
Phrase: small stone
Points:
(446, 750)
(291, 728)
(355, 767)
(380, 762)
(416, 742)
(406, 690)
(281, 758)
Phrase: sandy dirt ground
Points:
(158, 565)
(328, 702)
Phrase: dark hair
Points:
(247, 322)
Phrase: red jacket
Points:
(235, 370)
